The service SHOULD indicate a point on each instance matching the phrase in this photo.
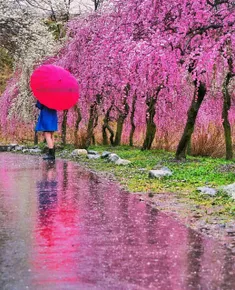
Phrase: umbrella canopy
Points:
(54, 87)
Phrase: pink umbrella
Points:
(54, 87)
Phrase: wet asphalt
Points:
(63, 227)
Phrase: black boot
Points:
(50, 155)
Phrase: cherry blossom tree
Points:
(145, 56)
(151, 69)
(28, 40)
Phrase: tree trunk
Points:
(93, 141)
(78, 120)
(132, 120)
(106, 126)
(198, 97)
(120, 123)
(96, 4)
(94, 125)
(35, 138)
(189, 147)
(150, 125)
(150, 113)
(104, 133)
(122, 116)
(91, 123)
(64, 127)
(226, 108)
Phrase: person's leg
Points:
(49, 139)
(53, 139)
(50, 143)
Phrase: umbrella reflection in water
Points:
(55, 237)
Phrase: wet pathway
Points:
(63, 228)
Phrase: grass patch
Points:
(221, 205)
(187, 176)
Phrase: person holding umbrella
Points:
(55, 89)
(48, 124)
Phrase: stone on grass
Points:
(25, 150)
(79, 152)
(231, 232)
(3, 148)
(35, 151)
(93, 156)
(113, 157)
(19, 148)
(158, 166)
(164, 171)
(92, 152)
(207, 190)
(105, 154)
(122, 162)
(63, 153)
(11, 147)
(229, 189)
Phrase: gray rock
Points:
(229, 189)
(207, 190)
(35, 151)
(231, 232)
(158, 166)
(11, 147)
(92, 152)
(35, 147)
(165, 169)
(113, 157)
(19, 148)
(25, 150)
(105, 154)
(122, 162)
(160, 173)
(78, 152)
(63, 153)
(93, 156)
(3, 148)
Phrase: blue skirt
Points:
(47, 119)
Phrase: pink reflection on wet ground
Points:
(64, 228)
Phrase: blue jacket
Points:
(47, 119)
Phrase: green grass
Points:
(187, 176)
